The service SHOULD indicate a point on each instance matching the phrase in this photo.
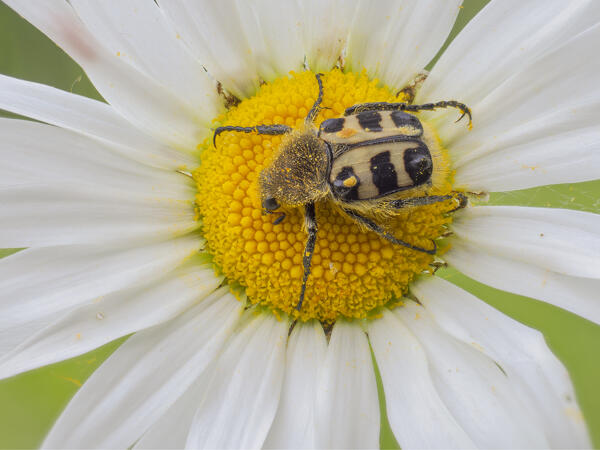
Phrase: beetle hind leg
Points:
(430, 200)
(385, 235)
(384, 106)
(463, 201)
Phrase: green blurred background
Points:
(29, 403)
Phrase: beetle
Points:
(365, 162)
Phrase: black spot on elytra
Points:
(384, 173)
(402, 119)
(418, 164)
(369, 120)
(333, 125)
(341, 191)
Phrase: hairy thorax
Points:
(298, 173)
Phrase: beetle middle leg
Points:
(311, 227)
(384, 234)
(384, 106)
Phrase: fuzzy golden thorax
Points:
(298, 173)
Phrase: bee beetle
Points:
(362, 162)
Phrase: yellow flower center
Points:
(353, 271)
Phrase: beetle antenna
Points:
(279, 219)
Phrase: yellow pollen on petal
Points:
(353, 271)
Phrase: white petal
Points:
(12, 336)
(88, 117)
(257, 40)
(561, 240)
(565, 154)
(144, 102)
(578, 295)
(325, 39)
(144, 377)
(172, 428)
(35, 153)
(39, 282)
(394, 41)
(347, 413)
(294, 425)
(229, 58)
(274, 36)
(501, 38)
(545, 139)
(417, 414)
(242, 397)
(548, 127)
(521, 351)
(111, 317)
(139, 33)
(524, 134)
(45, 215)
(482, 399)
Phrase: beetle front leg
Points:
(260, 129)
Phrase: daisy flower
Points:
(139, 219)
